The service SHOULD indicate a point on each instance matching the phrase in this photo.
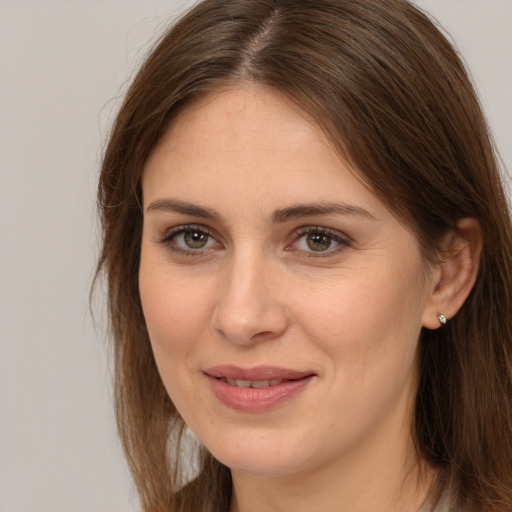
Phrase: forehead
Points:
(234, 120)
(250, 148)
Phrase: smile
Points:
(257, 389)
(240, 383)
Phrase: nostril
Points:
(248, 309)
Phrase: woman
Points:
(308, 252)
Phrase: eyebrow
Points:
(184, 208)
(279, 216)
(300, 211)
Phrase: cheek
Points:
(367, 330)
(369, 323)
(176, 313)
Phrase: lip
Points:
(256, 373)
(257, 399)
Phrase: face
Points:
(283, 300)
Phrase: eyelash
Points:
(169, 240)
(330, 234)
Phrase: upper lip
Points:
(256, 373)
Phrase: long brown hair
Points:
(393, 96)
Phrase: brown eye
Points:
(195, 239)
(191, 239)
(318, 241)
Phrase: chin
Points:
(259, 466)
(262, 456)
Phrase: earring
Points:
(442, 319)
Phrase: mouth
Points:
(255, 374)
(241, 383)
(256, 389)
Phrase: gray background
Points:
(63, 67)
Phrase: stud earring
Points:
(442, 319)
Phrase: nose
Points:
(249, 306)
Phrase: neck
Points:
(383, 479)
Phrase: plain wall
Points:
(63, 66)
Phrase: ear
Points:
(454, 276)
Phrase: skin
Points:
(253, 292)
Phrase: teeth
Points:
(253, 383)
(260, 384)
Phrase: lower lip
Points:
(257, 399)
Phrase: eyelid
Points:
(340, 238)
(168, 238)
